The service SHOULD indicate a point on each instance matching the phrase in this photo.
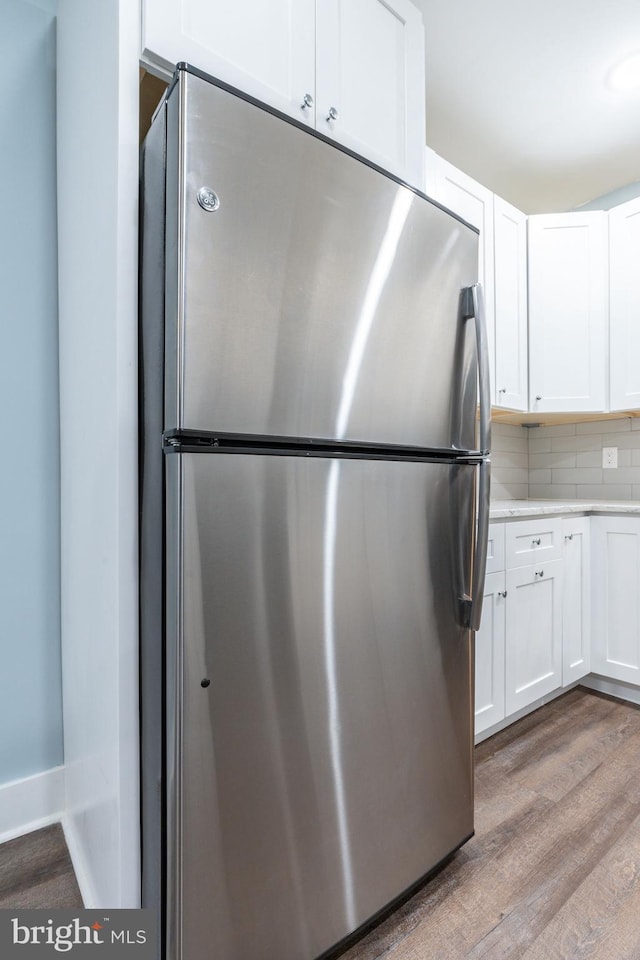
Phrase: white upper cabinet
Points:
(510, 269)
(370, 72)
(353, 69)
(265, 49)
(624, 323)
(474, 203)
(568, 311)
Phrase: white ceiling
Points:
(517, 96)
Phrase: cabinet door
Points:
(264, 49)
(576, 600)
(489, 670)
(510, 270)
(474, 203)
(615, 552)
(370, 73)
(533, 653)
(495, 548)
(568, 311)
(624, 324)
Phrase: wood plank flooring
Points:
(553, 871)
(36, 872)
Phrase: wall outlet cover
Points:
(609, 458)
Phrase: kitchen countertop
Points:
(507, 509)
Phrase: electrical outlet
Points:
(610, 458)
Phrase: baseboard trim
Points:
(31, 803)
(614, 688)
(82, 872)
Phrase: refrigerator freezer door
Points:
(316, 297)
(320, 715)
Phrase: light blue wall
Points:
(30, 673)
(608, 200)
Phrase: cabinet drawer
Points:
(533, 541)
(495, 548)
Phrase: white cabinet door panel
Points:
(568, 311)
(624, 324)
(370, 70)
(615, 555)
(495, 548)
(264, 49)
(576, 599)
(533, 658)
(489, 645)
(510, 268)
(474, 203)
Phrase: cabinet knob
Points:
(502, 390)
(332, 115)
(568, 536)
(538, 396)
(536, 541)
(307, 101)
(502, 593)
(539, 573)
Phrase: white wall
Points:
(30, 680)
(97, 191)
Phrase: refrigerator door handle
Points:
(473, 307)
(480, 553)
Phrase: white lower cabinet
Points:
(489, 696)
(533, 655)
(535, 632)
(615, 552)
(519, 644)
(576, 599)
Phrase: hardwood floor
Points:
(36, 872)
(553, 872)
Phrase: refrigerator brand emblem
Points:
(208, 199)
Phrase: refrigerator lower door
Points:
(320, 695)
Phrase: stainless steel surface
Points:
(307, 101)
(332, 115)
(208, 199)
(329, 311)
(481, 540)
(474, 309)
(329, 763)
(484, 369)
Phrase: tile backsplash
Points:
(565, 461)
(509, 462)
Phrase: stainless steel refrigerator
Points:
(314, 497)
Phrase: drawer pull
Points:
(536, 541)
(539, 573)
